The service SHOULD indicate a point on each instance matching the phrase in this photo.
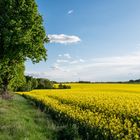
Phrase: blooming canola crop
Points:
(101, 111)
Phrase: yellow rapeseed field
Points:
(100, 111)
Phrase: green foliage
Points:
(21, 32)
(134, 81)
(61, 86)
(68, 133)
(18, 79)
(22, 37)
(44, 84)
(34, 83)
(84, 82)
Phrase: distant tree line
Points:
(134, 81)
(108, 82)
(84, 82)
(31, 83)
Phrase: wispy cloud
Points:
(61, 61)
(70, 12)
(63, 39)
(67, 55)
(54, 73)
(82, 60)
(95, 69)
(138, 44)
(68, 59)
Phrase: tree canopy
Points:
(22, 37)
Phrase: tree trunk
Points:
(5, 89)
(4, 92)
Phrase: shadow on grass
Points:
(70, 129)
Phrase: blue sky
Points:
(93, 40)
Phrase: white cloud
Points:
(95, 69)
(67, 59)
(109, 68)
(67, 55)
(74, 62)
(82, 60)
(70, 12)
(60, 55)
(61, 61)
(54, 73)
(63, 39)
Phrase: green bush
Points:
(34, 83)
(61, 86)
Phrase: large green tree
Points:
(22, 37)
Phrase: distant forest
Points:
(31, 83)
(137, 81)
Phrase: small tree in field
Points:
(22, 37)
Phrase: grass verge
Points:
(20, 120)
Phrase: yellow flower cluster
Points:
(108, 111)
